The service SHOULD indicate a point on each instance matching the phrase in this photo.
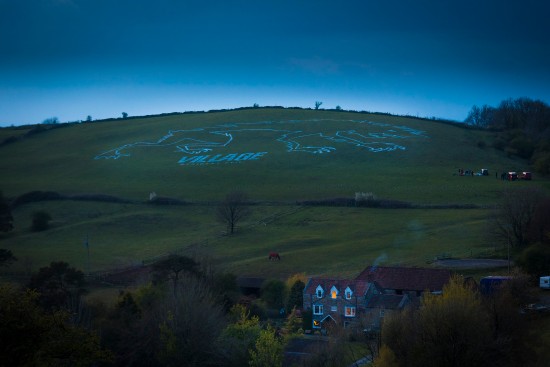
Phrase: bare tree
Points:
(172, 268)
(515, 214)
(233, 209)
(318, 104)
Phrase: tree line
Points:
(521, 126)
(187, 314)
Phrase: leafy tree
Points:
(40, 221)
(273, 292)
(239, 337)
(33, 337)
(58, 284)
(89, 118)
(172, 269)
(124, 115)
(535, 259)
(233, 209)
(6, 257)
(189, 325)
(338, 108)
(386, 358)
(131, 328)
(448, 330)
(268, 350)
(293, 322)
(296, 296)
(6, 219)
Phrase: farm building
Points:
(372, 295)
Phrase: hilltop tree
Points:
(50, 121)
(124, 115)
(318, 104)
(233, 209)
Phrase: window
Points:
(349, 293)
(317, 309)
(334, 308)
(349, 311)
(316, 324)
(319, 292)
(333, 292)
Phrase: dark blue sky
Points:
(73, 58)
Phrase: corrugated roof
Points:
(414, 279)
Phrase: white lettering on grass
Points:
(220, 158)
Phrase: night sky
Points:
(74, 58)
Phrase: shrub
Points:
(40, 221)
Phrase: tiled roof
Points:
(357, 286)
(414, 279)
(387, 301)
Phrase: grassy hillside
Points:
(63, 159)
(302, 155)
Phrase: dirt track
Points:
(472, 263)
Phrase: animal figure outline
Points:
(203, 140)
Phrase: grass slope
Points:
(316, 240)
(63, 160)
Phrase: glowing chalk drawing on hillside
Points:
(206, 145)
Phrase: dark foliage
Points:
(40, 221)
(6, 257)
(522, 126)
(35, 196)
(6, 218)
(295, 296)
(58, 284)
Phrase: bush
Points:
(40, 221)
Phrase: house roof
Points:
(414, 279)
(358, 287)
(387, 301)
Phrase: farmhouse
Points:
(411, 281)
(372, 295)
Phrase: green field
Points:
(307, 155)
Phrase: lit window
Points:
(317, 309)
(316, 324)
(349, 311)
(333, 292)
(348, 293)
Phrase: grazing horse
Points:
(274, 256)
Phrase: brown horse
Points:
(274, 256)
